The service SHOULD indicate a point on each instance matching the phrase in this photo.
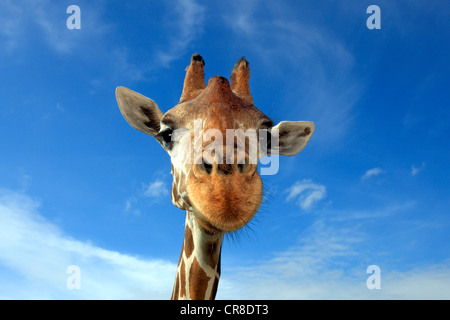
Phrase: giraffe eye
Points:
(166, 137)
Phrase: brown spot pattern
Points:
(198, 281)
(213, 250)
(188, 242)
(182, 279)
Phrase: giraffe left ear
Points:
(292, 136)
(141, 112)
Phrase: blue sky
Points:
(79, 186)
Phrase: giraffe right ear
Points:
(141, 112)
(293, 136)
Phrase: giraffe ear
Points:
(292, 136)
(141, 112)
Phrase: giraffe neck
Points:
(198, 269)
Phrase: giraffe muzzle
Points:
(226, 195)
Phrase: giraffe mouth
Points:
(225, 202)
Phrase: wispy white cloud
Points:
(124, 68)
(326, 263)
(30, 23)
(186, 25)
(39, 22)
(35, 254)
(415, 170)
(307, 193)
(372, 173)
(11, 32)
(26, 19)
(387, 212)
(329, 263)
(131, 206)
(156, 189)
(428, 282)
(325, 89)
(306, 271)
(153, 191)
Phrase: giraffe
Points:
(216, 183)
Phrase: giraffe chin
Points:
(223, 203)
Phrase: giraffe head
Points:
(215, 137)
